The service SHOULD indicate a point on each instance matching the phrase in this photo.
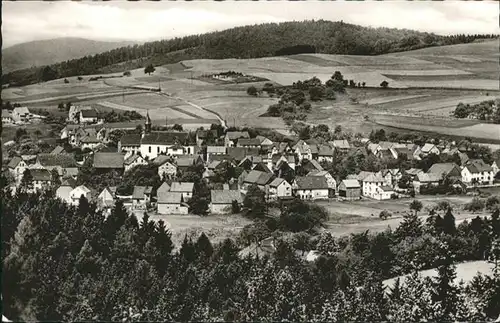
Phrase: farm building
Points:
(203, 135)
(259, 178)
(248, 143)
(446, 169)
(171, 203)
(222, 200)
(303, 150)
(231, 138)
(104, 162)
(350, 189)
(279, 188)
(184, 188)
(89, 142)
(310, 187)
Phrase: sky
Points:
(24, 21)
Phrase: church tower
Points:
(147, 125)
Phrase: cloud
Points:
(31, 20)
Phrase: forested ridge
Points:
(262, 40)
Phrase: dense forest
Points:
(63, 263)
(245, 42)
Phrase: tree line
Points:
(244, 42)
(63, 263)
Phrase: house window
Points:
(158, 150)
(149, 148)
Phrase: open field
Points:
(465, 271)
(217, 228)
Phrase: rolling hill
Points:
(47, 52)
(255, 41)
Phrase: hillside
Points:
(46, 52)
(246, 42)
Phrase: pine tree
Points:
(27, 181)
(204, 249)
(445, 293)
(449, 223)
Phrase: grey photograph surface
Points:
(249, 161)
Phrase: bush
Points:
(66, 81)
(252, 90)
(79, 78)
(475, 205)
(384, 215)
(127, 73)
(384, 84)
(235, 207)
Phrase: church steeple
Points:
(147, 125)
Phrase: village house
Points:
(166, 168)
(279, 188)
(248, 143)
(265, 143)
(332, 183)
(371, 184)
(255, 177)
(164, 187)
(42, 179)
(303, 150)
(476, 171)
(215, 150)
(89, 142)
(428, 149)
(413, 172)
(63, 191)
(262, 167)
(222, 200)
(7, 117)
(106, 199)
(21, 114)
(104, 162)
(132, 161)
(16, 167)
(310, 187)
(277, 161)
(185, 162)
(184, 188)
(141, 195)
(495, 166)
(341, 145)
(350, 189)
(232, 137)
(77, 193)
(171, 203)
(311, 165)
(325, 153)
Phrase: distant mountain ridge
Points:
(51, 51)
